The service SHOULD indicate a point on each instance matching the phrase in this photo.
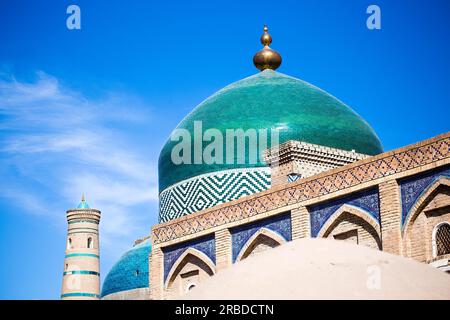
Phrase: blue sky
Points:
(88, 110)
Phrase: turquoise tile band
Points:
(86, 272)
(80, 294)
(70, 255)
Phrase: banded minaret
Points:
(81, 277)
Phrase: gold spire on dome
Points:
(266, 58)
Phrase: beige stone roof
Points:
(325, 269)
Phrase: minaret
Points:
(81, 277)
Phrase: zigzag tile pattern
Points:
(381, 166)
(205, 191)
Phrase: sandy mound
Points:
(325, 269)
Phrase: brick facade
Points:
(305, 160)
(347, 196)
(223, 249)
(390, 214)
(301, 227)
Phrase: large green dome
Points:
(272, 100)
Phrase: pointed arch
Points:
(358, 212)
(263, 232)
(370, 226)
(422, 201)
(182, 260)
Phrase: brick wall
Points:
(419, 236)
(156, 274)
(360, 231)
(390, 215)
(223, 249)
(381, 172)
(301, 227)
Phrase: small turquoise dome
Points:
(130, 272)
(270, 100)
(83, 204)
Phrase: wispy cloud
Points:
(56, 143)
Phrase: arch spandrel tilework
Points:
(413, 187)
(367, 200)
(280, 224)
(373, 168)
(204, 244)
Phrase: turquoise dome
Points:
(83, 205)
(130, 272)
(270, 100)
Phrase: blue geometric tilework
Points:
(292, 177)
(413, 187)
(91, 255)
(205, 244)
(80, 294)
(280, 224)
(130, 272)
(367, 200)
(208, 190)
(84, 272)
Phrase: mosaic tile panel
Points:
(206, 244)
(367, 200)
(280, 224)
(208, 190)
(377, 167)
(413, 187)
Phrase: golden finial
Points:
(266, 39)
(266, 58)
